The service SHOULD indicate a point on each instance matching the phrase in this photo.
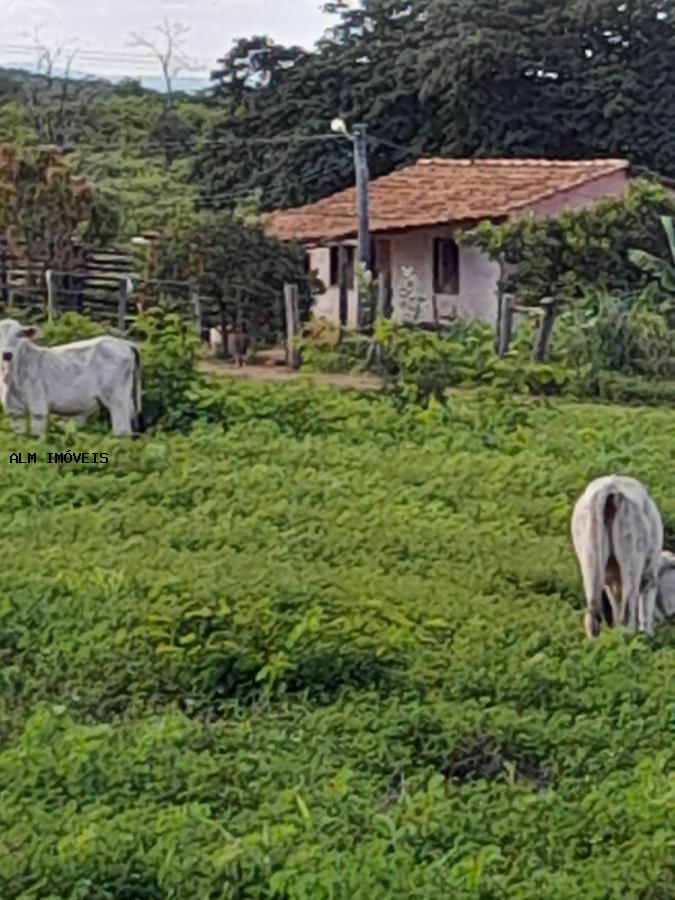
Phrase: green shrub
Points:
(418, 365)
(175, 395)
(612, 387)
(328, 348)
(70, 326)
(611, 334)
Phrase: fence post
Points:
(292, 325)
(505, 324)
(196, 306)
(239, 342)
(4, 276)
(122, 303)
(223, 323)
(545, 328)
(279, 313)
(51, 300)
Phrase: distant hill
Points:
(13, 77)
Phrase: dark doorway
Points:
(382, 266)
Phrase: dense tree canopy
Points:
(241, 271)
(362, 71)
(450, 77)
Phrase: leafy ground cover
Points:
(332, 650)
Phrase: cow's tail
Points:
(137, 420)
(603, 508)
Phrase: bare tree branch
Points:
(56, 104)
(169, 51)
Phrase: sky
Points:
(99, 28)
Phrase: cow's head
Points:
(12, 333)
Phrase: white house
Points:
(415, 214)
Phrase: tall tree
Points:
(237, 265)
(573, 79)
(448, 77)
(278, 103)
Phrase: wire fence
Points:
(115, 298)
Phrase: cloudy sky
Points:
(101, 28)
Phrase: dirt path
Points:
(344, 381)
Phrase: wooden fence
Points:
(99, 286)
(546, 313)
(105, 285)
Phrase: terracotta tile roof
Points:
(435, 191)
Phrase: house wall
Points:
(327, 305)
(478, 275)
(414, 249)
(614, 185)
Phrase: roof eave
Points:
(322, 240)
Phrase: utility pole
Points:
(359, 138)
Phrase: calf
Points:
(617, 534)
(69, 380)
(665, 594)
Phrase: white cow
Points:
(617, 534)
(69, 380)
(665, 595)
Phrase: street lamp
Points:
(337, 126)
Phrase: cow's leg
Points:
(613, 590)
(120, 417)
(17, 422)
(592, 551)
(38, 424)
(38, 411)
(647, 602)
(38, 420)
(609, 606)
(118, 401)
(630, 592)
(629, 540)
(593, 589)
(630, 609)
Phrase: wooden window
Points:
(446, 266)
(335, 267)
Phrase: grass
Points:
(334, 651)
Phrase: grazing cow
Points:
(69, 380)
(665, 594)
(617, 534)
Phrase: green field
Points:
(333, 651)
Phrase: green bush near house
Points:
(334, 651)
(175, 395)
(603, 346)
